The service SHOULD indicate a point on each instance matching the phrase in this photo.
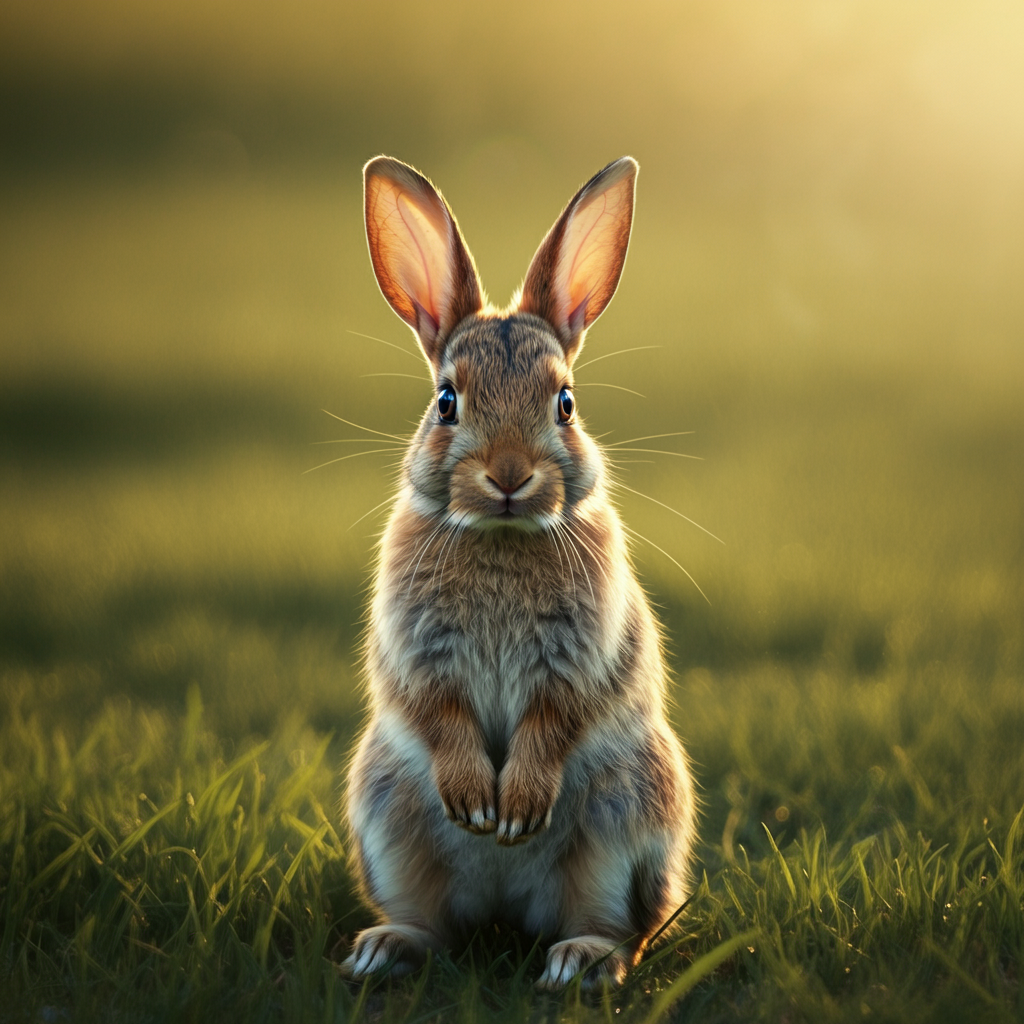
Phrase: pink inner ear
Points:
(409, 242)
(422, 247)
(593, 249)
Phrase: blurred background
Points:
(828, 254)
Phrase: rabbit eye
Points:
(566, 405)
(446, 405)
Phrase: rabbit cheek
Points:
(585, 463)
(425, 468)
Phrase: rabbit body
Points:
(517, 767)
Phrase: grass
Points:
(180, 607)
(150, 877)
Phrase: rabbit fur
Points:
(517, 767)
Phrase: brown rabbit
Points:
(518, 767)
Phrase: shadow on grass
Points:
(62, 421)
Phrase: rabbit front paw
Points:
(525, 798)
(467, 792)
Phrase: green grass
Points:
(180, 609)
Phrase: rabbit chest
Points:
(494, 616)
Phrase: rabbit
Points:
(517, 767)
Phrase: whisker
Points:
(599, 384)
(572, 538)
(457, 533)
(553, 534)
(356, 440)
(422, 550)
(411, 376)
(390, 344)
(370, 513)
(658, 451)
(598, 556)
(354, 455)
(648, 437)
(570, 551)
(618, 483)
(452, 534)
(369, 430)
(647, 540)
(621, 352)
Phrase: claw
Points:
(481, 822)
(509, 832)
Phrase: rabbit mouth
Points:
(525, 498)
(509, 518)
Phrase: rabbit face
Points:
(504, 455)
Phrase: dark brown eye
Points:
(566, 405)
(446, 405)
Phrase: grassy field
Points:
(181, 605)
(826, 263)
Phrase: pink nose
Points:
(510, 489)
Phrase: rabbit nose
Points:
(510, 489)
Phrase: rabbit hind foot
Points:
(601, 962)
(397, 948)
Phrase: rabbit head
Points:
(501, 445)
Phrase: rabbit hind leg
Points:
(401, 876)
(613, 902)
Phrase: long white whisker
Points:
(571, 538)
(600, 384)
(621, 352)
(647, 540)
(354, 455)
(457, 533)
(619, 483)
(369, 430)
(450, 539)
(598, 556)
(422, 550)
(559, 546)
(658, 451)
(411, 376)
(648, 437)
(563, 528)
(418, 550)
(356, 440)
(390, 344)
(370, 513)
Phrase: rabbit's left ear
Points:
(422, 264)
(575, 272)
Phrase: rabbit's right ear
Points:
(422, 264)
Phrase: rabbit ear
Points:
(422, 264)
(574, 273)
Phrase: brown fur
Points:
(515, 668)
